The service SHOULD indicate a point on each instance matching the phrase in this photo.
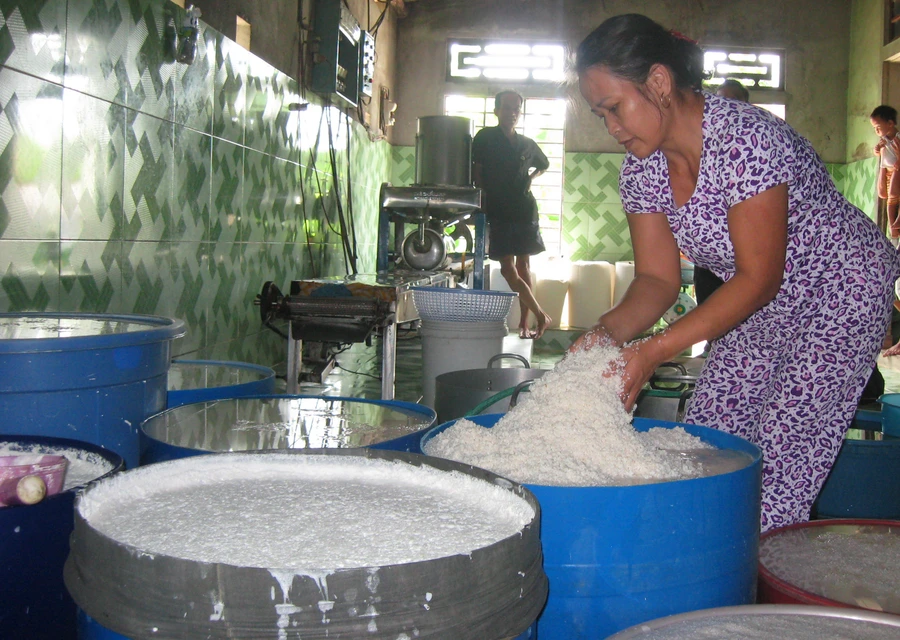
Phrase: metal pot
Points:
(458, 392)
(669, 392)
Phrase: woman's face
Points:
(630, 117)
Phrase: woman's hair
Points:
(629, 45)
(885, 112)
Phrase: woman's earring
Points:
(666, 101)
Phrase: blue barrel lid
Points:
(39, 332)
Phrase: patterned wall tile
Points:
(859, 185)
(403, 166)
(605, 177)
(229, 90)
(149, 178)
(90, 276)
(29, 275)
(194, 84)
(192, 185)
(227, 191)
(93, 168)
(97, 33)
(150, 57)
(31, 114)
(33, 37)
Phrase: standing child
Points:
(884, 121)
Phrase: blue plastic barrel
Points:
(201, 380)
(89, 377)
(34, 544)
(270, 422)
(890, 414)
(618, 556)
(865, 479)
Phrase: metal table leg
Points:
(388, 361)
(294, 358)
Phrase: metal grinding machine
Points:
(440, 204)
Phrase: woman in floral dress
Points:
(799, 321)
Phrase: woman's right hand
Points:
(596, 335)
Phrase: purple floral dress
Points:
(789, 377)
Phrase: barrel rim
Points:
(411, 407)
(645, 424)
(765, 575)
(414, 459)
(865, 615)
(158, 329)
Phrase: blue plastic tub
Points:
(201, 380)
(618, 556)
(270, 422)
(34, 602)
(89, 377)
(865, 479)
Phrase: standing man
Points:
(503, 169)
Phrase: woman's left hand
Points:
(640, 363)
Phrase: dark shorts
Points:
(514, 239)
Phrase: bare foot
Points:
(526, 334)
(893, 351)
(543, 321)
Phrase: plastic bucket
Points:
(452, 346)
(865, 479)
(278, 422)
(618, 556)
(751, 622)
(492, 590)
(834, 563)
(201, 380)
(89, 377)
(34, 602)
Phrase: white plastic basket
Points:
(462, 305)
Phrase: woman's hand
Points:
(640, 363)
(878, 147)
(596, 335)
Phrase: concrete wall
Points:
(864, 87)
(814, 34)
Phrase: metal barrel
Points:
(492, 592)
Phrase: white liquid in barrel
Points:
(302, 512)
(853, 564)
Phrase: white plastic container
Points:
(590, 292)
(453, 346)
(624, 276)
(551, 295)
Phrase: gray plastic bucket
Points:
(278, 422)
(88, 377)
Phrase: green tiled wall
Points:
(594, 226)
(133, 184)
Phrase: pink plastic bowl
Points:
(51, 469)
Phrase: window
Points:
(755, 69)
(518, 61)
(543, 120)
(242, 33)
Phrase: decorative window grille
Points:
(518, 62)
(756, 69)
